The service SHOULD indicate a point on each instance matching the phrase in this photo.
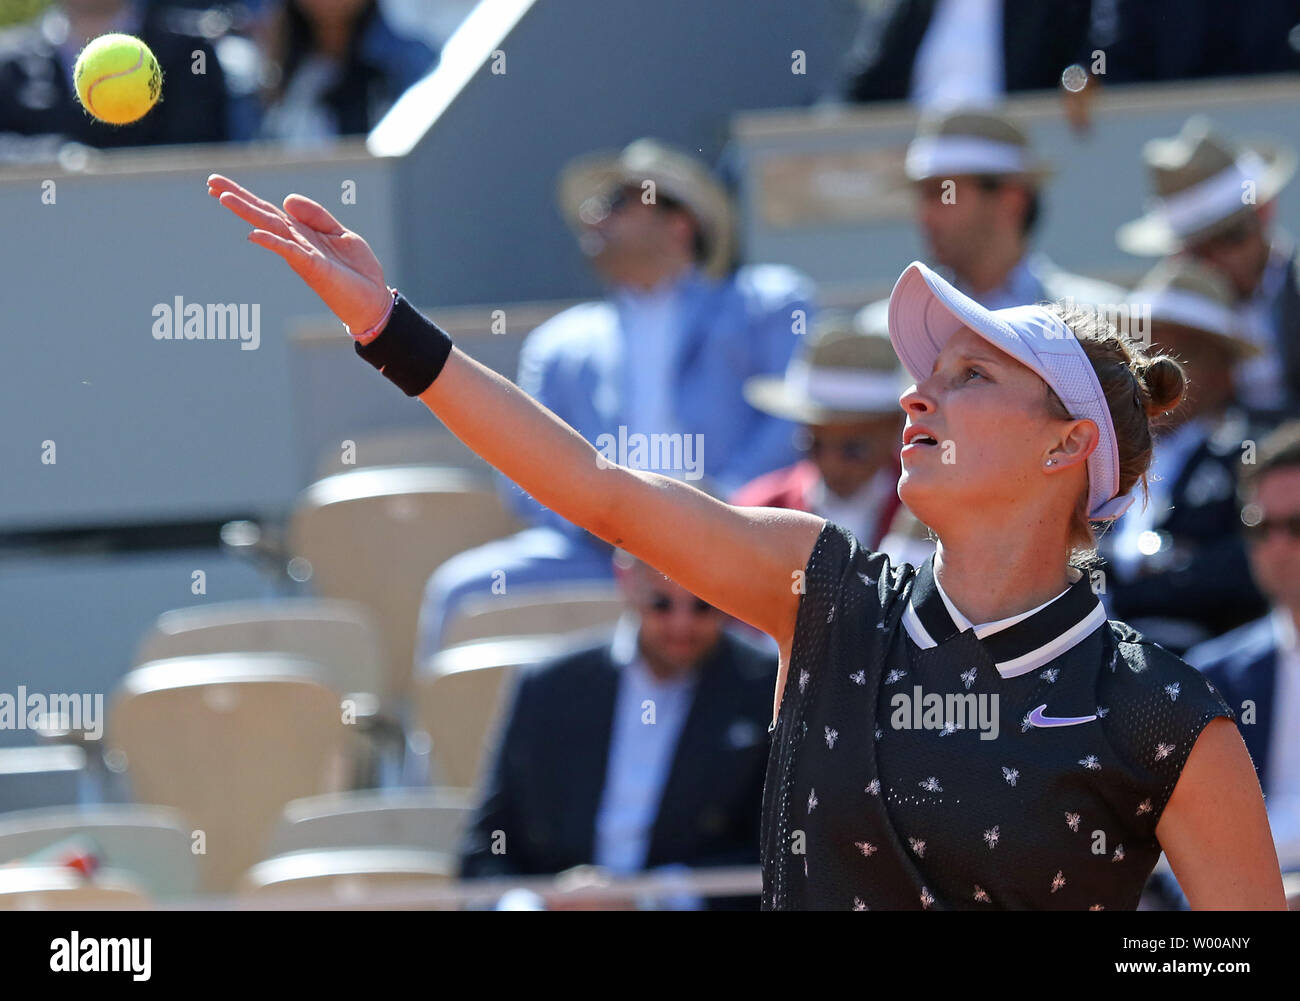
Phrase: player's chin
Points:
(926, 489)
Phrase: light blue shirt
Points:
(1022, 287)
(726, 331)
(648, 719)
(651, 329)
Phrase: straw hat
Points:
(1199, 183)
(970, 141)
(587, 183)
(842, 376)
(1182, 291)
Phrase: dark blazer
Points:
(548, 771)
(1147, 40)
(1213, 587)
(1039, 40)
(1242, 665)
(1287, 312)
(36, 96)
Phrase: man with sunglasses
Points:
(1216, 202)
(662, 358)
(646, 752)
(1257, 667)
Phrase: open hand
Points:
(338, 264)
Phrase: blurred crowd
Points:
(799, 407)
(295, 72)
(948, 53)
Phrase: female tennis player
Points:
(970, 733)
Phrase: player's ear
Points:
(1077, 442)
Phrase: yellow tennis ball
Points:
(117, 79)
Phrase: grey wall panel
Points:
(148, 429)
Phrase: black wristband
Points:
(411, 349)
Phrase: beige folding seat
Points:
(58, 888)
(535, 611)
(343, 875)
(375, 535)
(336, 635)
(228, 739)
(151, 843)
(426, 819)
(459, 695)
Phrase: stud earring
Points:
(1051, 462)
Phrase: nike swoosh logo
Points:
(1036, 718)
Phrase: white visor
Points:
(925, 310)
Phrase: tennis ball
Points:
(117, 79)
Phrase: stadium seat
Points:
(535, 611)
(345, 874)
(336, 635)
(228, 739)
(151, 843)
(458, 695)
(426, 819)
(375, 535)
(58, 888)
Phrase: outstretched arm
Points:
(743, 560)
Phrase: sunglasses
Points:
(848, 449)
(1261, 530)
(623, 197)
(661, 604)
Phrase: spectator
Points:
(336, 66)
(942, 54)
(844, 390)
(39, 110)
(1217, 203)
(1179, 572)
(1257, 667)
(978, 191)
(662, 756)
(665, 355)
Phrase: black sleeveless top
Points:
(915, 766)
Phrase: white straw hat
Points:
(1200, 182)
(925, 310)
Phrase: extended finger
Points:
(313, 214)
(294, 253)
(219, 184)
(254, 215)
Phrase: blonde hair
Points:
(1138, 387)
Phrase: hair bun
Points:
(1163, 382)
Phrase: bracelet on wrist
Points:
(369, 333)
